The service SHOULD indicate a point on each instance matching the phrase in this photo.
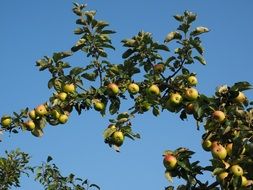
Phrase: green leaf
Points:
(172, 36)
(127, 53)
(76, 71)
(114, 106)
(49, 158)
(241, 86)
(161, 47)
(156, 111)
(60, 55)
(90, 76)
(200, 59)
(199, 30)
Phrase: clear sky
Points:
(31, 29)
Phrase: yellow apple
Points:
(192, 80)
(191, 94)
(236, 170)
(62, 96)
(69, 88)
(170, 161)
(118, 138)
(41, 110)
(219, 116)
(133, 88)
(153, 90)
(30, 125)
(6, 121)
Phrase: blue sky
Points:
(32, 29)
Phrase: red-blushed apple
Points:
(98, 105)
(241, 98)
(6, 121)
(62, 96)
(236, 170)
(69, 88)
(153, 90)
(169, 161)
(219, 151)
(192, 80)
(219, 116)
(159, 68)
(118, 138)
(133, 88)
(29, 125)
(41, 110)
(112, 89)
(191, 94)
(32, 114)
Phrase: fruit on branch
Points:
(41, 110)
(55, 114)
(63, 118)
(219, 116)
(37, 132)
(29, 125)
(62, 96)
(112, 89)
(69, 88)
(175, 99)
(170, 161)
(6, 121)
(244, 181)
(206, 145)
(145, 106)
(153, 90)
(229, 148)
(133, 88)
(159, 68)
(241, 98)
(118, 138)
(236, 170)
(191, 94)
(32, 114)
(219, 151)
(192, 80)
(189, 108)
(222, 176)
(98, 105)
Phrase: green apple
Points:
(241, 98)
(219, 116)
(229, 148)
(69, 88)
(62, 96)
(32, 114)
(55, 114)
(159, 68)
(219, 151)
(133, 88)
(6, 121)
(30, 125)
(145, 106)
(41, 110)
(112, 89)
(191, 94)
(236, 170)
(170, 161)
(192, 80)
(63, 118)
(118, 138)
(175, 98)
(153, 90)
(221, 176)
(206, 145)
(98, 105)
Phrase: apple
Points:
(191, 94)
(37, 132)
(41, 110)
(192, 80)
(170, 161)
(236, 170)
(133, 88)
(6, 121)
(206, 145)
(69, 88)
(98, 105)
(219, 116)
(153, 90)
(189, 108)
(63, 118)
(62, 96)
(30, 125)
(222, 176)
(219, 151)
(55, 114)
(111, 126)
(145, 106)
(159, 68)
(241, 98)
(118, 138)
(229, 148)
(244, 181)
(175, 98)
(32, 114)
(112, 89)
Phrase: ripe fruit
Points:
(41, 110)
(192, 80)
(229, 148)
(6, 121)
(241, 98)
(112, 89)
(175, 98)
(153, 90)
(189, 108)
(222, 176)
(169, 161)
(63, 118)
(191, 94)
(159, 68)
(236, 170)
(118, 138)
(30, 125)
(98, 105)
(206, 145)
(55, 114)
(133, 88)
(69, 88)
(244, 181)
(62, 96)
(218, 116)
(219, 151)
(32, 114)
